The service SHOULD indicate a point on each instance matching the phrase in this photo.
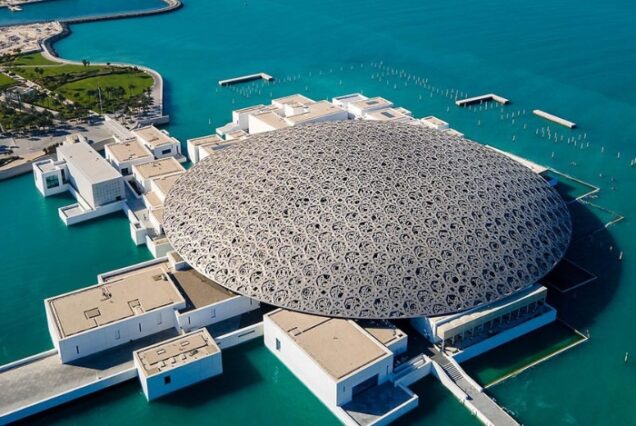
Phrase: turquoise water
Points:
(576, 59)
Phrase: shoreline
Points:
(170, 5)
(21, 3)
(49, 52)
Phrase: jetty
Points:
(554, 118)
(246, 78)
(481, 99)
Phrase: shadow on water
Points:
(593, 248)
(239, 374)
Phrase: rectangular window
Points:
(125, 171)
(159, 319)
(118, 335)
(166, 151)
(277, 345)
(213, 313)
(77, 349)
(167, 380)
(52, 182)
(140, 327)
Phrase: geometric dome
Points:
(364, 219)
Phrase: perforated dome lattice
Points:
(366, 219)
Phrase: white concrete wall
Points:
(335, 116)
(173, 149)
(89, 214)
(95, 194)
(382, 367)
(158, 249)
(40, 181)
(109, 336)
(398, 411)
(304, 368)
(505, 336)
(399, 346)
(120, 166)
(331, 392)
(216, 312)
(257, 125)
(242, 335)
(180, 376)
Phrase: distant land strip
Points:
(169, 7)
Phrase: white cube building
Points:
(129, 304)
(96, 181)
(194, 145)
(123, 155)
(434, 123)
(177, 363)
(361, 107)
(159, 142)
(145, 173)
(335, 358)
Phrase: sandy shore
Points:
(27, 38)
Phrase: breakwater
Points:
(169, 6)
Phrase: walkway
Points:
(491, 412)
(46, 378)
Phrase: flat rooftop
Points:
(431, 119)
(216, 147)
(156, 168)
(203, 140)
(383, 331)
(128, 151)
(46, 165)
(235, 134)
(388, 114)
(297, 99)
(164, 183)
(153, 199)
(199, 290)
(272, 119)
(153, 136)
(352, 97)
(122, 296)
(82, 158)
(372, 103)
(339, 346)
(249, 109)
(176, 352)
(157, 213)
(315, 110)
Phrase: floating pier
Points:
(482, 98)
(554, 118)
(246, 78)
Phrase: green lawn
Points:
(5, 81)
(32, 59)
(84, 91)
(118, 86)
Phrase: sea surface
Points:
(576, 59)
